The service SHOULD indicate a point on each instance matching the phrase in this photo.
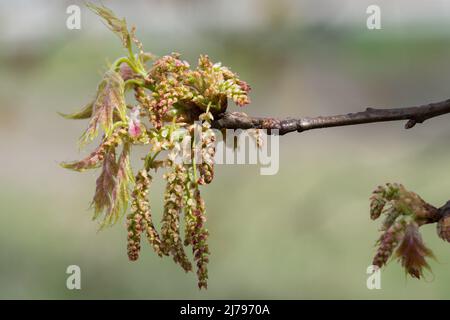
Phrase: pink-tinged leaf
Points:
(110, 98)
(112, 193)
(84, 113)
(92, 161)
(124, 178)
(118, 26)
(105, 183)
(412, 252)
(96, 157)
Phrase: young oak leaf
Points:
(103, 200)
(84, 113)
(412, 251)
(95, 158)
(92, 161)
(110, 98)
(112, 192)
(116, 25)
(124, 179)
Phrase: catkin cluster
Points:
(169, 96)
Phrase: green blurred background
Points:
(304, 233)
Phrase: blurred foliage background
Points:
(301, 234)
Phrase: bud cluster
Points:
(404, 213)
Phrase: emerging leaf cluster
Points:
(404, 212)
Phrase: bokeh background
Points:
(304, 233)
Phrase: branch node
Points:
(411, 123)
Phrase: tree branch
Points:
(442, 211)
(414, 115)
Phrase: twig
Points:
(414, 115)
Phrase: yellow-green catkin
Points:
(140, 220)
(173, 204)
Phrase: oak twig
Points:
(414, 115)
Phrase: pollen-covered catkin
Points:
(173, 203)
(134, 228)
(376, 206)
(381, 196)
(140, 220)
(388, 242)
(199, 242)
(208, 150)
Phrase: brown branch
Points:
(414, 115)
(435, 214)
(441, 212)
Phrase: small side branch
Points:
(414, 115)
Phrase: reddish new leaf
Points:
(412, 251)
(110, 98)
(103, 200)
(92, 161)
